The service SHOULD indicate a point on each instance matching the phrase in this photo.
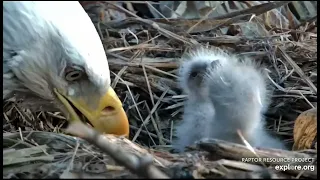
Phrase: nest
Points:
(51, 155)
(143, 56)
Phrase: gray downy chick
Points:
(198, 109)
(224, 95)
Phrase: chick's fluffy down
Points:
(224, 94)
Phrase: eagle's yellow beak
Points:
(109, 117)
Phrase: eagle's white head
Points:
(52, 53)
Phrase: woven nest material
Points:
(143, 56)
(52, 155)
(48, 155)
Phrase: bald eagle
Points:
(53, 57)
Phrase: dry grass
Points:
(144, 55)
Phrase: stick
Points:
(141, 166)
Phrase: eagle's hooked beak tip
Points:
(109, 117)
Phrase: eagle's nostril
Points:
(108, 109)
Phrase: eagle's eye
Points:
(73, 74)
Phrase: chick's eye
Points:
(193, 74)
(73, 75)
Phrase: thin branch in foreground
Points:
(141, 166)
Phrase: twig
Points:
(156, 125)
(310, 20)
(151, 134)
(141, 166)
(304, 97)
(203, 18)
(148, 84)
(137, 109)
(149, 116)
(240, 152)
(298, 70)
(73, 156)
(163, 31)
(257, 10)
(156, 11)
